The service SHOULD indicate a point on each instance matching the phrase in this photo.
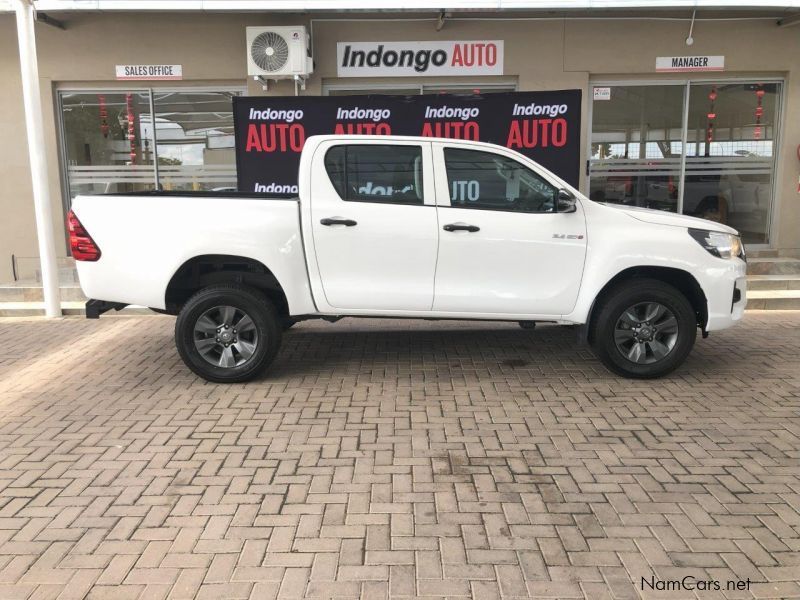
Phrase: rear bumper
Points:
(726, 293)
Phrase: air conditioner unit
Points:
(278, 52)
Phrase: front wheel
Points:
(228, 333)
(643, 329)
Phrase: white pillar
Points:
(31, 95)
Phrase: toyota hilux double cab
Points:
(408, 227)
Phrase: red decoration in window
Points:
(131, 130)
(711, 115)
(103, 110)
(759, 112)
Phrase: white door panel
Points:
(503, 259)
(384, 257)
(512, 264)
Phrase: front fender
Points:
(618, 244)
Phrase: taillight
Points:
(80, 242)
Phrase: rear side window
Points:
(489, 181)
(376, 173)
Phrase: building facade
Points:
(706, 129)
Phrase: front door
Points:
(374, 225)
(503, 248)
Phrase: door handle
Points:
(338, 221)
(461, 227)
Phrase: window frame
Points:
(394, 88)
(120, 87)
(443, 180)
(378, 199)
(686, 82)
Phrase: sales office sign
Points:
(404, 59)
(149, 72)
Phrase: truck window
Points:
(489, 181)
(376, 173)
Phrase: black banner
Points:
(271, 131)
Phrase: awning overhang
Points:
(294, 6)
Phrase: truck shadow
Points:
(427, 346)
(359, 347)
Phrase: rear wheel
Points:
(228, 333)
(643, 329)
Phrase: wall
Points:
(17, 223)
(539, 54)
(751, 48)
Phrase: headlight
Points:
(722, 245)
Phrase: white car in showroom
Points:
(408, 227)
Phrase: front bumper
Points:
(725, 288)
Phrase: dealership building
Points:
(686, 106)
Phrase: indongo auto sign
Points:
(403, 59)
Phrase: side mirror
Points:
(566, 201)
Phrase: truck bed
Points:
(204, 194)
(146, 237)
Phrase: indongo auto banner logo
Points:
(271, 130)
(403, 59)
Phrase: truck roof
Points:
(398, 138)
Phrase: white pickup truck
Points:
(408, 227)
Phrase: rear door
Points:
(503, 248)
(374, 227)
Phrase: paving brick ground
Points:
(395, 459)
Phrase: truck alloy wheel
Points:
(225, 336)
(228, 333)
(643, 328)
(646, 332)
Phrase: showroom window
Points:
(392, 89)
(705, 149)
(488, 181)
(136, 140)
(376, 173)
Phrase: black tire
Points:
(251, 302)
(631, 293)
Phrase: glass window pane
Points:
(375, 173)
(108, 142)
(414, 91)
(730, 155)
(467, 90)
(336, 166)
(490, 181)
(636, 146)
(194, 133)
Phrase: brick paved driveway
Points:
(394, 458)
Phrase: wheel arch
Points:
(209, 269)
(681, 280)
